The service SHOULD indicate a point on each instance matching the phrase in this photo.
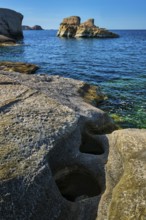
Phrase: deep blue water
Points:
(117, 65)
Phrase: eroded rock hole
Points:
(77, 184)
(91, 144)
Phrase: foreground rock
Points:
(10, 23)
(43, 173)
(18, 67)
(54, 147)
(125, 195)
(71, 27)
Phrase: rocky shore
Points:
(60, 158)
(71, 27)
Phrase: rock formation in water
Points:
(71, 27)
(54, 148)
(36, 27)
(10, 23)
(26, 28)
(18, 67)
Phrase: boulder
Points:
(125, 194)
(18, 67)
(71, 27)
(10, 23)
(43, 174)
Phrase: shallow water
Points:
(117, 65)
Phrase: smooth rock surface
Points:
(43, 174)
(10, 23)
(71, 27)
(125, 195)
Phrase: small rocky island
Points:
(35, 27)
(72, 27)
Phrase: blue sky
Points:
(111, 14)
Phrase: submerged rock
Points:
(18, 67)
(71, 27)
(10, 23)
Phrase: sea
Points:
(117, 65)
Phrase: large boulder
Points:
(125, 194)
(10, 23)
(43, 174)
(71, 27)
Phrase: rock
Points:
(125, 195)
(6, 41)
(75, 94)
(43, 174)
(18, 67)
(25, 27)
(37, 27)
(10, 23)
(71, 27)
(54, 148)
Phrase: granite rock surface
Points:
(125, 194)
(57, 160)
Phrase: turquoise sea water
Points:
(117, 65)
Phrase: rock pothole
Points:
(77, 184)
(92, 144)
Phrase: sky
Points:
(110, 14)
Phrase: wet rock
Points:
(18, 67)
(10, 23)
(6, 41)
(125, 195)
(71, 27)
